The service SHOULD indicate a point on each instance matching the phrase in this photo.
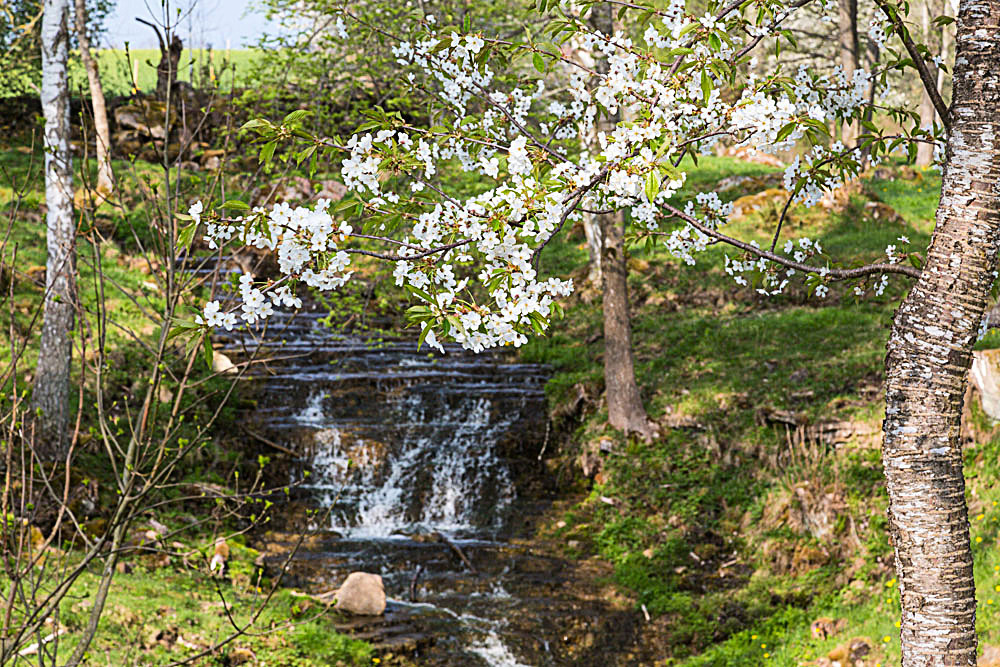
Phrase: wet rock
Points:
(362, 593)
(985, 375)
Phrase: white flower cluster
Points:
(450, 249)
(770, 277)
(305, 241)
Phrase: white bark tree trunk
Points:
(929, 354)
(105, 176)
(51, 388)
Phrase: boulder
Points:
(985, 375)
(362, 593)
(990, 656)
(222, 364)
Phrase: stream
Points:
(415, 463)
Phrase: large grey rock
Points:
(362, 593)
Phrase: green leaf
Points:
(706, 84)
(182, 326)
(652, 185)
(295, 116)
(207, 350)
(423, 336)
(784, 132)
(236, 205)
(186, 236)
(538, 61)
(267, 152)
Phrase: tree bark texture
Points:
(51, 387)
(166, 70)
(625, 409)
(925, 151)
(105, 177)
(592, 233)
(849, 55)
(929, 354)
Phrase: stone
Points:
(222, 364)
(985, 375)
(990, 656)
(825, 627)
(241, 655)
(362, 593)
(774, 198)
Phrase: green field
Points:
(121, 69)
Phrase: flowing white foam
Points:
(443, 475)
(495, 652)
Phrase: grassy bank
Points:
(743, 525)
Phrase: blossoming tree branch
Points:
(474, 264)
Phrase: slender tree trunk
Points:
(625, 409)
(925, 151)
(849, 54)
(592, 232)
(51, 388)
(105, 177)
(929, 354)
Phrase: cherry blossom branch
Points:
(835, 274)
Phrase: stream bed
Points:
(416, 466)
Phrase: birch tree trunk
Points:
(928, 358)
(625, 409)
(105, 177)
(849, 54)
(925, 151)
(51, 388)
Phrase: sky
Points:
(202, 22)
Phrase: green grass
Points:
(718, 359)
(158, 612)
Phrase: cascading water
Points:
(371, 483)
(411, 453)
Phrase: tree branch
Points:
(930, 83)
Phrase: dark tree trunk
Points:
(50, 395)
(166, 70)
(928, 359)
(625, 409)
